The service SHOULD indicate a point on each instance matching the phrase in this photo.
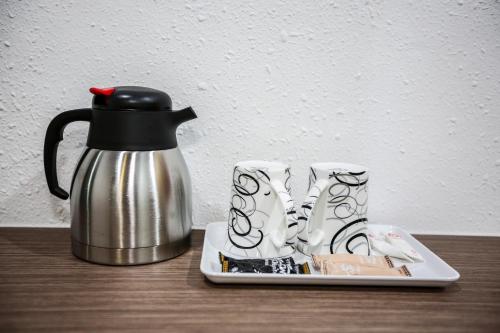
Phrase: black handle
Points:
(53, 135)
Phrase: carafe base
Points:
(130, 256)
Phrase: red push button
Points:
(102, 91)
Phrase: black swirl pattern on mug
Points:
(242, 233)
(346, 235)
(232, 224)
(348, 243)
(312, 178)
(347, 203)
(355, 179)
(306, 207)
(304, 215)
(292, 222)
(242, 184)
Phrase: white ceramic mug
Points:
(262, 222)
(333, 217)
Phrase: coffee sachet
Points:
(345, 258)
(330, 268)
(284, 265)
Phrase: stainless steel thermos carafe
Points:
(130, 193)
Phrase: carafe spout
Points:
(178, 117)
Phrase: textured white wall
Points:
(410, 89)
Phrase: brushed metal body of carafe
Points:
(130, 199)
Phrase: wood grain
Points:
(43, 288)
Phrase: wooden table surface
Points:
(43, 288)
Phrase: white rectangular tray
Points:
(433, 272)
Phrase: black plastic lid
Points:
(130, 98)
(121, 118)
(134, 118)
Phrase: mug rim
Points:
(349, 167)
(261, 164)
